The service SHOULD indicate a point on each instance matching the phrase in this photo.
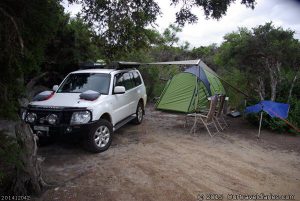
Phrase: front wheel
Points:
(139, 114)
(100, 137)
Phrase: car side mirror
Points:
(55, 88)
(119, 90)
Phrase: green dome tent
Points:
(188, 91)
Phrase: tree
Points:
(170, 35)
(22, 42)
(122, 25)
(25, 30)
(147, 10)
(261, 53)
(271, 46)
(206, 53)
(294, 64)
(74, 42)
(212, 9)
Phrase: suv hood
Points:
(66, 100)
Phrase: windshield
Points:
(81, 82)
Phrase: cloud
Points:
(281, 13)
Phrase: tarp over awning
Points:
(274, 109)
(185, 62)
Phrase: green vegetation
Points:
(24, 36)
(37, 36)
(265, 63)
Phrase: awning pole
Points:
(261, 115)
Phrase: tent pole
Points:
(196, 103)
(196, 95)
(261, 115)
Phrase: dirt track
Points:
(161, 160)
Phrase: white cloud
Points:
(281, 13)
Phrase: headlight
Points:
(80, 117)
(31, 117)
(52, 119)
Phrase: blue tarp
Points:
(274, 109)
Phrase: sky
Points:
(284, 13)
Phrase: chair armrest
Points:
(196, 114)
(202, 115)
(191, 115)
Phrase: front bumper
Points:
(63, 129)
(41, 127)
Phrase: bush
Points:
(294, 114)
(274, 124)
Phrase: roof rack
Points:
(114, 64)
(91, 65)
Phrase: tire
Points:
(139, 114)
(100, 137)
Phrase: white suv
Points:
(92, 102)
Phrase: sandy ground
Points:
(161, 160)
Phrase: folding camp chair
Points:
(222, 107)
(207, 119)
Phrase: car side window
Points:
(137, 78)
(124, 79)
(128, 82)
(119, 80)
